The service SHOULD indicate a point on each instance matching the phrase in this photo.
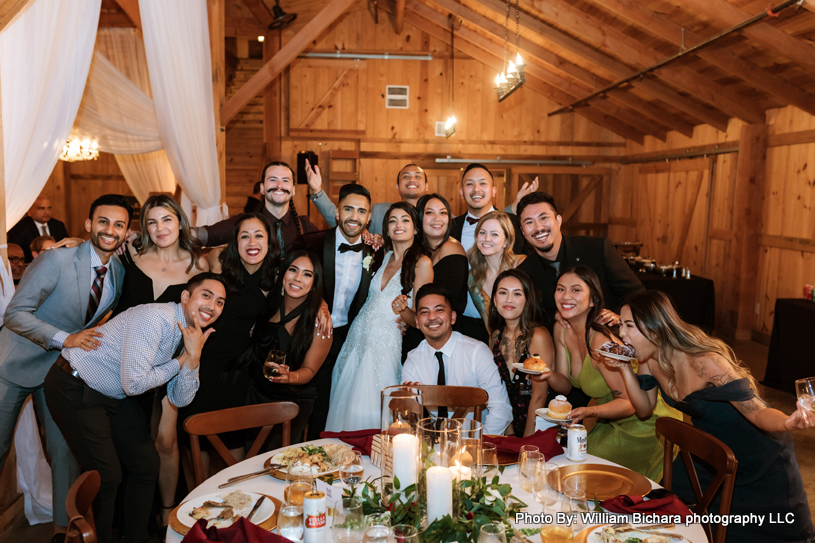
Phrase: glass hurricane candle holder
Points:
(467, 461)
(401, 410)
(440, 442)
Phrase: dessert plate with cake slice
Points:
(617, 351)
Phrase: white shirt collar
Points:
(448, 349)
(493, 208)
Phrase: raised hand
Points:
(87, 340)
(526, 188)
(313, 177)
(607, 317)
(70, 243)
(374, 240)
(194, 338)
(399, 304)
(801, 419)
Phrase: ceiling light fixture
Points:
(76, 149)
(512, 77)
(281, 18)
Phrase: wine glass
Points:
(351, 469)
(545, 495)
(405, 533)
(805, 390)
(530, 462)
(377, 528)
(526, 449)
(493, 532)
(574, 504)
(489, 461)
(290, 522)
(274, 357)
(347, 521)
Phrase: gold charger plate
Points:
(600, 481)
(328, 476)
(269, 524)
(583, 535)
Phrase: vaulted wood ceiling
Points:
(575, 47)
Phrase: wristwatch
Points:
(315, 197)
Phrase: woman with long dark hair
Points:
(370, 357)
(516, 336)
(702, 377)
(618, 435)
(287, 325)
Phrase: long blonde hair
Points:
(186, 240)
(478, 263)
(655, 316)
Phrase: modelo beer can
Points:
(577, 443)
(808, 292)
(314, 514)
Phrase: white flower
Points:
(367, 261)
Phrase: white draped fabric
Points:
(176, 42)
(44, 60)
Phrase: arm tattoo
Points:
(722, 379)
(751, 406)
(616, 393)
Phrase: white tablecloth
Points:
(274, 487)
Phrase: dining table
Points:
(266, 484)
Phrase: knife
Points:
(256, 507)
(242, 478)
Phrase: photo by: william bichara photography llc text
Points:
(602, 517)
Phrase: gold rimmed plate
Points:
(267, 524)
(281, 473)
(599, 481)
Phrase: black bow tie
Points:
(344, 248)
(471, 220)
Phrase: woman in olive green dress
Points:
(618, 435)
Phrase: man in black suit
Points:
(37, 222)
(549, 253)
(348, 265)
(478, 190)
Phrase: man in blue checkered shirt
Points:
(90, 394)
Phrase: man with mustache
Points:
(549, 253)
(348, 265)
(446, 357)
(91, 395)
(278, 189)
(411, 182)
(62, 296)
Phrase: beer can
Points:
(314, 517)
(577, 443)
(808, 292)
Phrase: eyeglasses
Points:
(16, 259)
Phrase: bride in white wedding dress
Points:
(370, 359)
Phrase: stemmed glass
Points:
(574, 504)
(347, 521)
(351, 468)
(274, 357)
(489, 461)
(493, 532)
(805, 390)
(404, 533)
(530, 462)
(526, 449)
(545, 495)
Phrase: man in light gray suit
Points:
(58, 303)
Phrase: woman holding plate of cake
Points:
(619, 435)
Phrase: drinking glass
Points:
(290, 522)
(377, 528)
(347, 521)
(274, 357)
(300, 480)
(574, 504)
(405, 533)
(351, 469)
(805, 390)
(493, 532)
(545, 495)
(489, 461)
(526, 449)
(556, 533)
(530, 462)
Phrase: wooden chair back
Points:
(462, 399)
(263, 416)
(695, 442)
(78, 504)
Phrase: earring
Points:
(282, 291)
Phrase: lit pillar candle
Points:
(461, 473)
(439, 492)
(405, 459)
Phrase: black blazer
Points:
(458, 227)
(322, 244)
(617, 279)
(25, 231)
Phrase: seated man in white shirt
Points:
(446, 357)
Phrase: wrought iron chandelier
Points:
(512, 77)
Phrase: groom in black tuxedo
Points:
(348, 265)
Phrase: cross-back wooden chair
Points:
(78, 504)
(462, 399)
(695, 442)
(263, 416)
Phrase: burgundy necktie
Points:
(96, 293)
(471, 220)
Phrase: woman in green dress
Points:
(618, 435)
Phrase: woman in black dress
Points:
(700, 376)
(447, 255)
(516, 334)
(248, 265)
(287, 325)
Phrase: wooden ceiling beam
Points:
(330, 13)
(591, 30)
(728, 15)
(260, 11)
(541, 87)
(754, 75)
(131, 7)
(616, 68)
(399, 16)
(657, 115)
(243, 26)
(9, 9)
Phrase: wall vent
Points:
(440, 129)
(396, 96)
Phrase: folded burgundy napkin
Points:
(670, 505)
(242, 531)
(545, 440)
(360, 440)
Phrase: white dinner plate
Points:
(266, 509)
(543, 413)
(595, 536)
(519, 366)
(616, 356)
